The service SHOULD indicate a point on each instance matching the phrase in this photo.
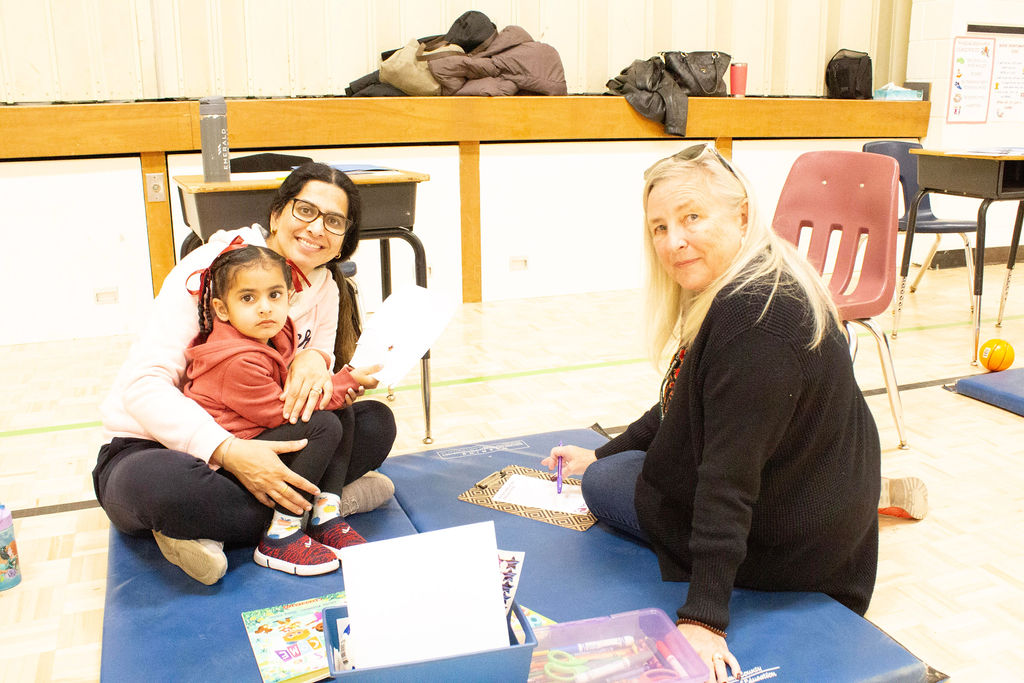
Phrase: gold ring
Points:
(718, 657)
(284, 487)
(317, 390)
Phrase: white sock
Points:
(283, 525)
(326, 506)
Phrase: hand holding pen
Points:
(573, 460)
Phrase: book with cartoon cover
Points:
(287, 640)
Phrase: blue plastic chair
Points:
(926, 220)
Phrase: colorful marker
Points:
(671, 659)
(653, 647)
(615, 666)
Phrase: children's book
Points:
(288, 640)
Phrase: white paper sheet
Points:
(538, 493)
(401, 331)
(424, 596)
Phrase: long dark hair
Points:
(220, 275)
(297, 180)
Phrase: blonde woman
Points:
(759, 465)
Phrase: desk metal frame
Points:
(990, 178)
(389, 201)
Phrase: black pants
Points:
(143, 486)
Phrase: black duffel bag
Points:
(848, 76)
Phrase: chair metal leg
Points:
(969, 256)
(425, 391)
(1002, 299)
(891, 387)
(926, 264)
(908, 241)
(851, 339)
(901, 291)
(1018, 223)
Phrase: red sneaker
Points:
(336, 534)
(296, 554)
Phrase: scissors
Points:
(563, 666)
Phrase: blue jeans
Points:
(609, 489)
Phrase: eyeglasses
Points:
(334, 223)
(694, 152)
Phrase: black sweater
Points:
(764, 472)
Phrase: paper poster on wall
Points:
(1008, 80)
(970, 80)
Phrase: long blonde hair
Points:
(674, 314)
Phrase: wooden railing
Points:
(151, 130)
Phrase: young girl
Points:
(237, 368)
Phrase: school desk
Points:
(990, 177)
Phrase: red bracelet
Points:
(694, 622)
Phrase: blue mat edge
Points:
(1004, 389)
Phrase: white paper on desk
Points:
(424, 596)
(401, 331)
(541, 493)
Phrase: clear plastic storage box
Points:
(642, 645)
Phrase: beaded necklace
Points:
(669, 383)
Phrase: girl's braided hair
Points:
(221, 274)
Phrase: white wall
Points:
(933, 26)
(571, 210)
(75, 261)
(87, 50)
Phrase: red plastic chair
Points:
(846, 202)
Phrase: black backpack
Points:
(848, 76)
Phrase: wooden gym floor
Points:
(949, 587)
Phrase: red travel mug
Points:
(738, 79)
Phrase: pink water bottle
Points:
(10, 571)
(738, 79)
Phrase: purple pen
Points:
(558, 477)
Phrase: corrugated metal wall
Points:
(111, 50)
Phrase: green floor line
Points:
(51, 428)
(498, 376)
(514, 375)
(941, 326)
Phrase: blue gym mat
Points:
(158, 624)
(569, 575)
(161, 625)
(1004, 389)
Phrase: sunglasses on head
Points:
(695, 151)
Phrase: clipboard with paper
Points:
(511, 490)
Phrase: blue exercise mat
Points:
(161, 625)
(569, 575)
(1003, 389)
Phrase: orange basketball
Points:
(996, 354)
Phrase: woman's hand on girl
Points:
(256, 464)
(575, 460)
(308, 386)
(713, 650)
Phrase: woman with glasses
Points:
(169, 469)
(759, 466)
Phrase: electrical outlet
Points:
(106, 296)
(517, 263)
(155, 191)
